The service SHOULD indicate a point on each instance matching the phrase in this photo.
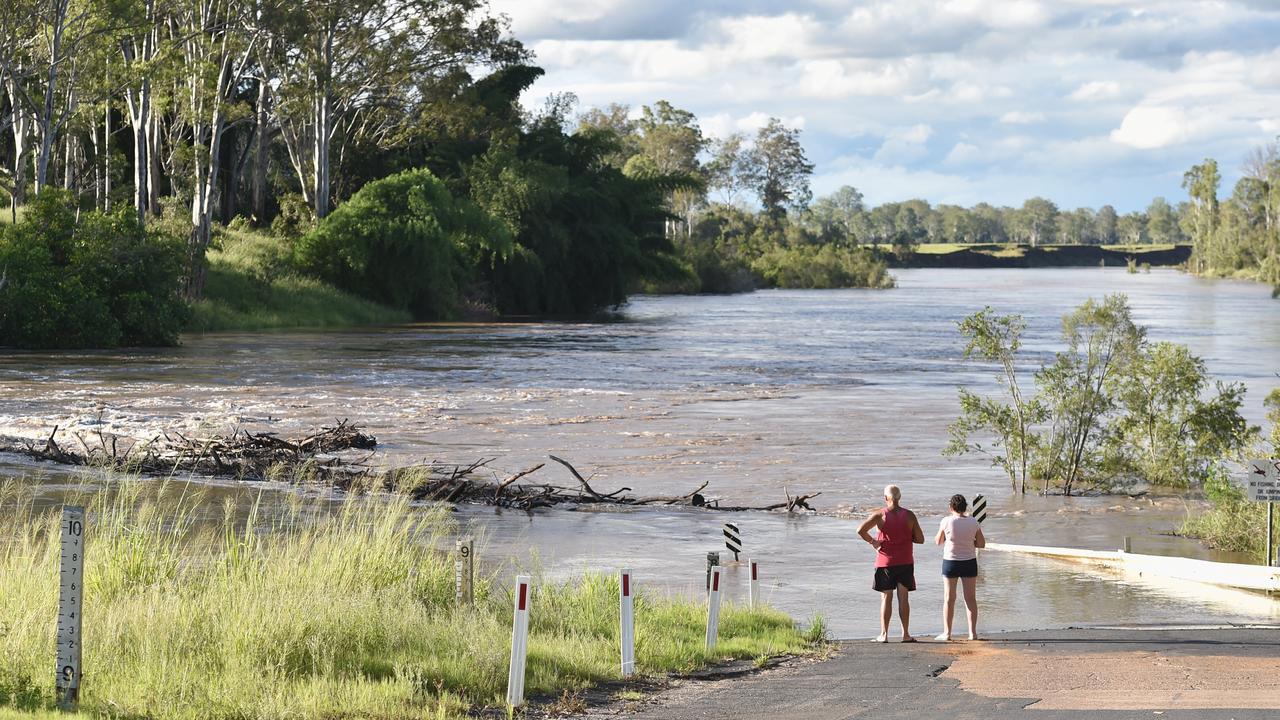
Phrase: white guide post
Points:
(755, 583)
(519, 643)
(979, 509)
(628, 618)
(70, 606)
(713, 609)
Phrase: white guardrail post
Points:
(519, 642)
(628, 620)
(713, 608)
(70, 607)
(755, 583)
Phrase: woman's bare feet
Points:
(908, 638)
(880, 638)
(944, 637)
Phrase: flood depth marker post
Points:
(70, 606)
(979, 508)
(464, 571)
(519, 643)
(713, 560)
(713, 609)
(733, 539)
(628, 619)
(755, 577)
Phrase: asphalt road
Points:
(1183, 673)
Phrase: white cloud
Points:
(962, 153)
(1055, 94)
(1147, 128)
(1096, 90)
(1019, 117)
(904, 144)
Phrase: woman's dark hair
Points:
(958, 503)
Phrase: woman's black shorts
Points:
(889, 578)
(960, 568)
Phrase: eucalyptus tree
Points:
(727, 170)
(350, 68)
(778, 170)
(1037, 220)
(1201, 183)
(40, 59)
(216, 48)
(17, 34)
(670, 143)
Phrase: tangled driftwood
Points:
(317, 458)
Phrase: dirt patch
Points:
(1136, 680)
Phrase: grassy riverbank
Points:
(252, 285)
(320, 612)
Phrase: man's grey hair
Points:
(892, 491)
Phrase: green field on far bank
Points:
(314, 612)
(1020, 249)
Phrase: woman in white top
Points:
(961, 536)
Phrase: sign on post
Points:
(979, 508)
(70, 606)
(628, 633)
(519, 643)
(755, 582)
(713, 609)
(1263, 480)
(733, 539)
(464, 571)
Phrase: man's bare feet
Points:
(908, 638)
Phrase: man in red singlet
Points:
(895, 563)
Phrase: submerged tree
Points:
(997, 339)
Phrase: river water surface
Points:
(836, 391)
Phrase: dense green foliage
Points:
(312, 611)
(1112, 409)
(586, 232)
(406, 242)
(1233, 522)
(87, 279)
(1238, 236)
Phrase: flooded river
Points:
(838, 392)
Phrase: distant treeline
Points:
(269, 116)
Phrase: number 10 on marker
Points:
(70, 604)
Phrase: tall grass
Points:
(312, 612)
(252, 285)
(1232, 522)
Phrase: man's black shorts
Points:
(889, 578)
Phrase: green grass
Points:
(251, 286)
(6, 214)
(318, 611)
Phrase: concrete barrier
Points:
(1232, 575)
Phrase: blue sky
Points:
(1086, 102)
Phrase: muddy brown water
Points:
(838, 391)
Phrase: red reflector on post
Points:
(626, 586)
(754, 571)
(524, 596)
(715, 582)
